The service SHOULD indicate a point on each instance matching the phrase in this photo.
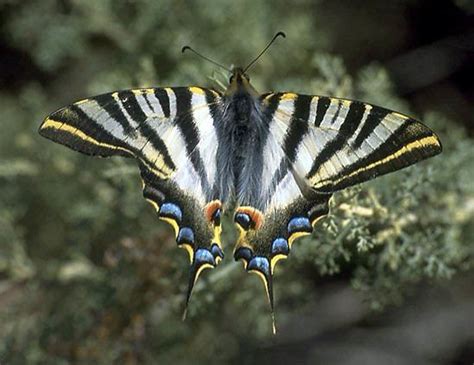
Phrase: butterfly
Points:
(274, 160)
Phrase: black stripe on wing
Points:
(375, 117)
(321, 109)
(185, 122)
(221, 188)
(108, 103)
(131, 105)
(298, 126)
(295, 133)
(164, 100)
(346, 131)
(270, 105)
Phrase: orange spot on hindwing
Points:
(210, 211)
(249, 218)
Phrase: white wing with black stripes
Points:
(171, 133)
(354, 142)
(317, 145)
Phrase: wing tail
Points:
(266, 239)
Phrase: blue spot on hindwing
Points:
(280, 246)
(243, 220)
(216, 217)
(260, 264)
(299, 224)
(171, 210)
(185, 235)
(204, 256)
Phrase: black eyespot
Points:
(244, 220)
(231, 79)
(216, 217)
(244, 253)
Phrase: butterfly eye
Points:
(231, 79)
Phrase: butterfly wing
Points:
(316, 146)
(171, 133)
(349, 142)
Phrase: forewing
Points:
(349, 142)
(170, 132)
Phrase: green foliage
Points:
(88, 274)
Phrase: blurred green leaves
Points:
(89, 275)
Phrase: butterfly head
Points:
(239, 82)
(238, 75)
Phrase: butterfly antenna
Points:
(264, 50)
(185, 48)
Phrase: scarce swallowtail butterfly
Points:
(274, 159)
